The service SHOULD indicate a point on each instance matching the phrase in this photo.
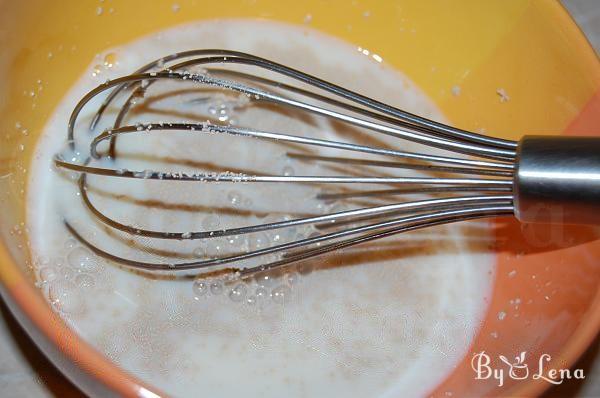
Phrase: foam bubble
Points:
(48, 274)
(210, 222)
(235, 198)
(216, 287)
(83, 259)
(63, 296)
(238, 293)
(280, 293)
(200, 288)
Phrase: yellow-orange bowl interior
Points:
(530, 49)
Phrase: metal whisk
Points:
(538, 179)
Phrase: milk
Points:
(389, 318)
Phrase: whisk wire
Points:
(228, 56)
(490, 160)
(404, 224)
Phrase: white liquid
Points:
(390, 318)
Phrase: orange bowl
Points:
(545, 296)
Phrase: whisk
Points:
(545, 179)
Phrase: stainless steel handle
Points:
(557, 180)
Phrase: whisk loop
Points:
(481, 173)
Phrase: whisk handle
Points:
(557, 180)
